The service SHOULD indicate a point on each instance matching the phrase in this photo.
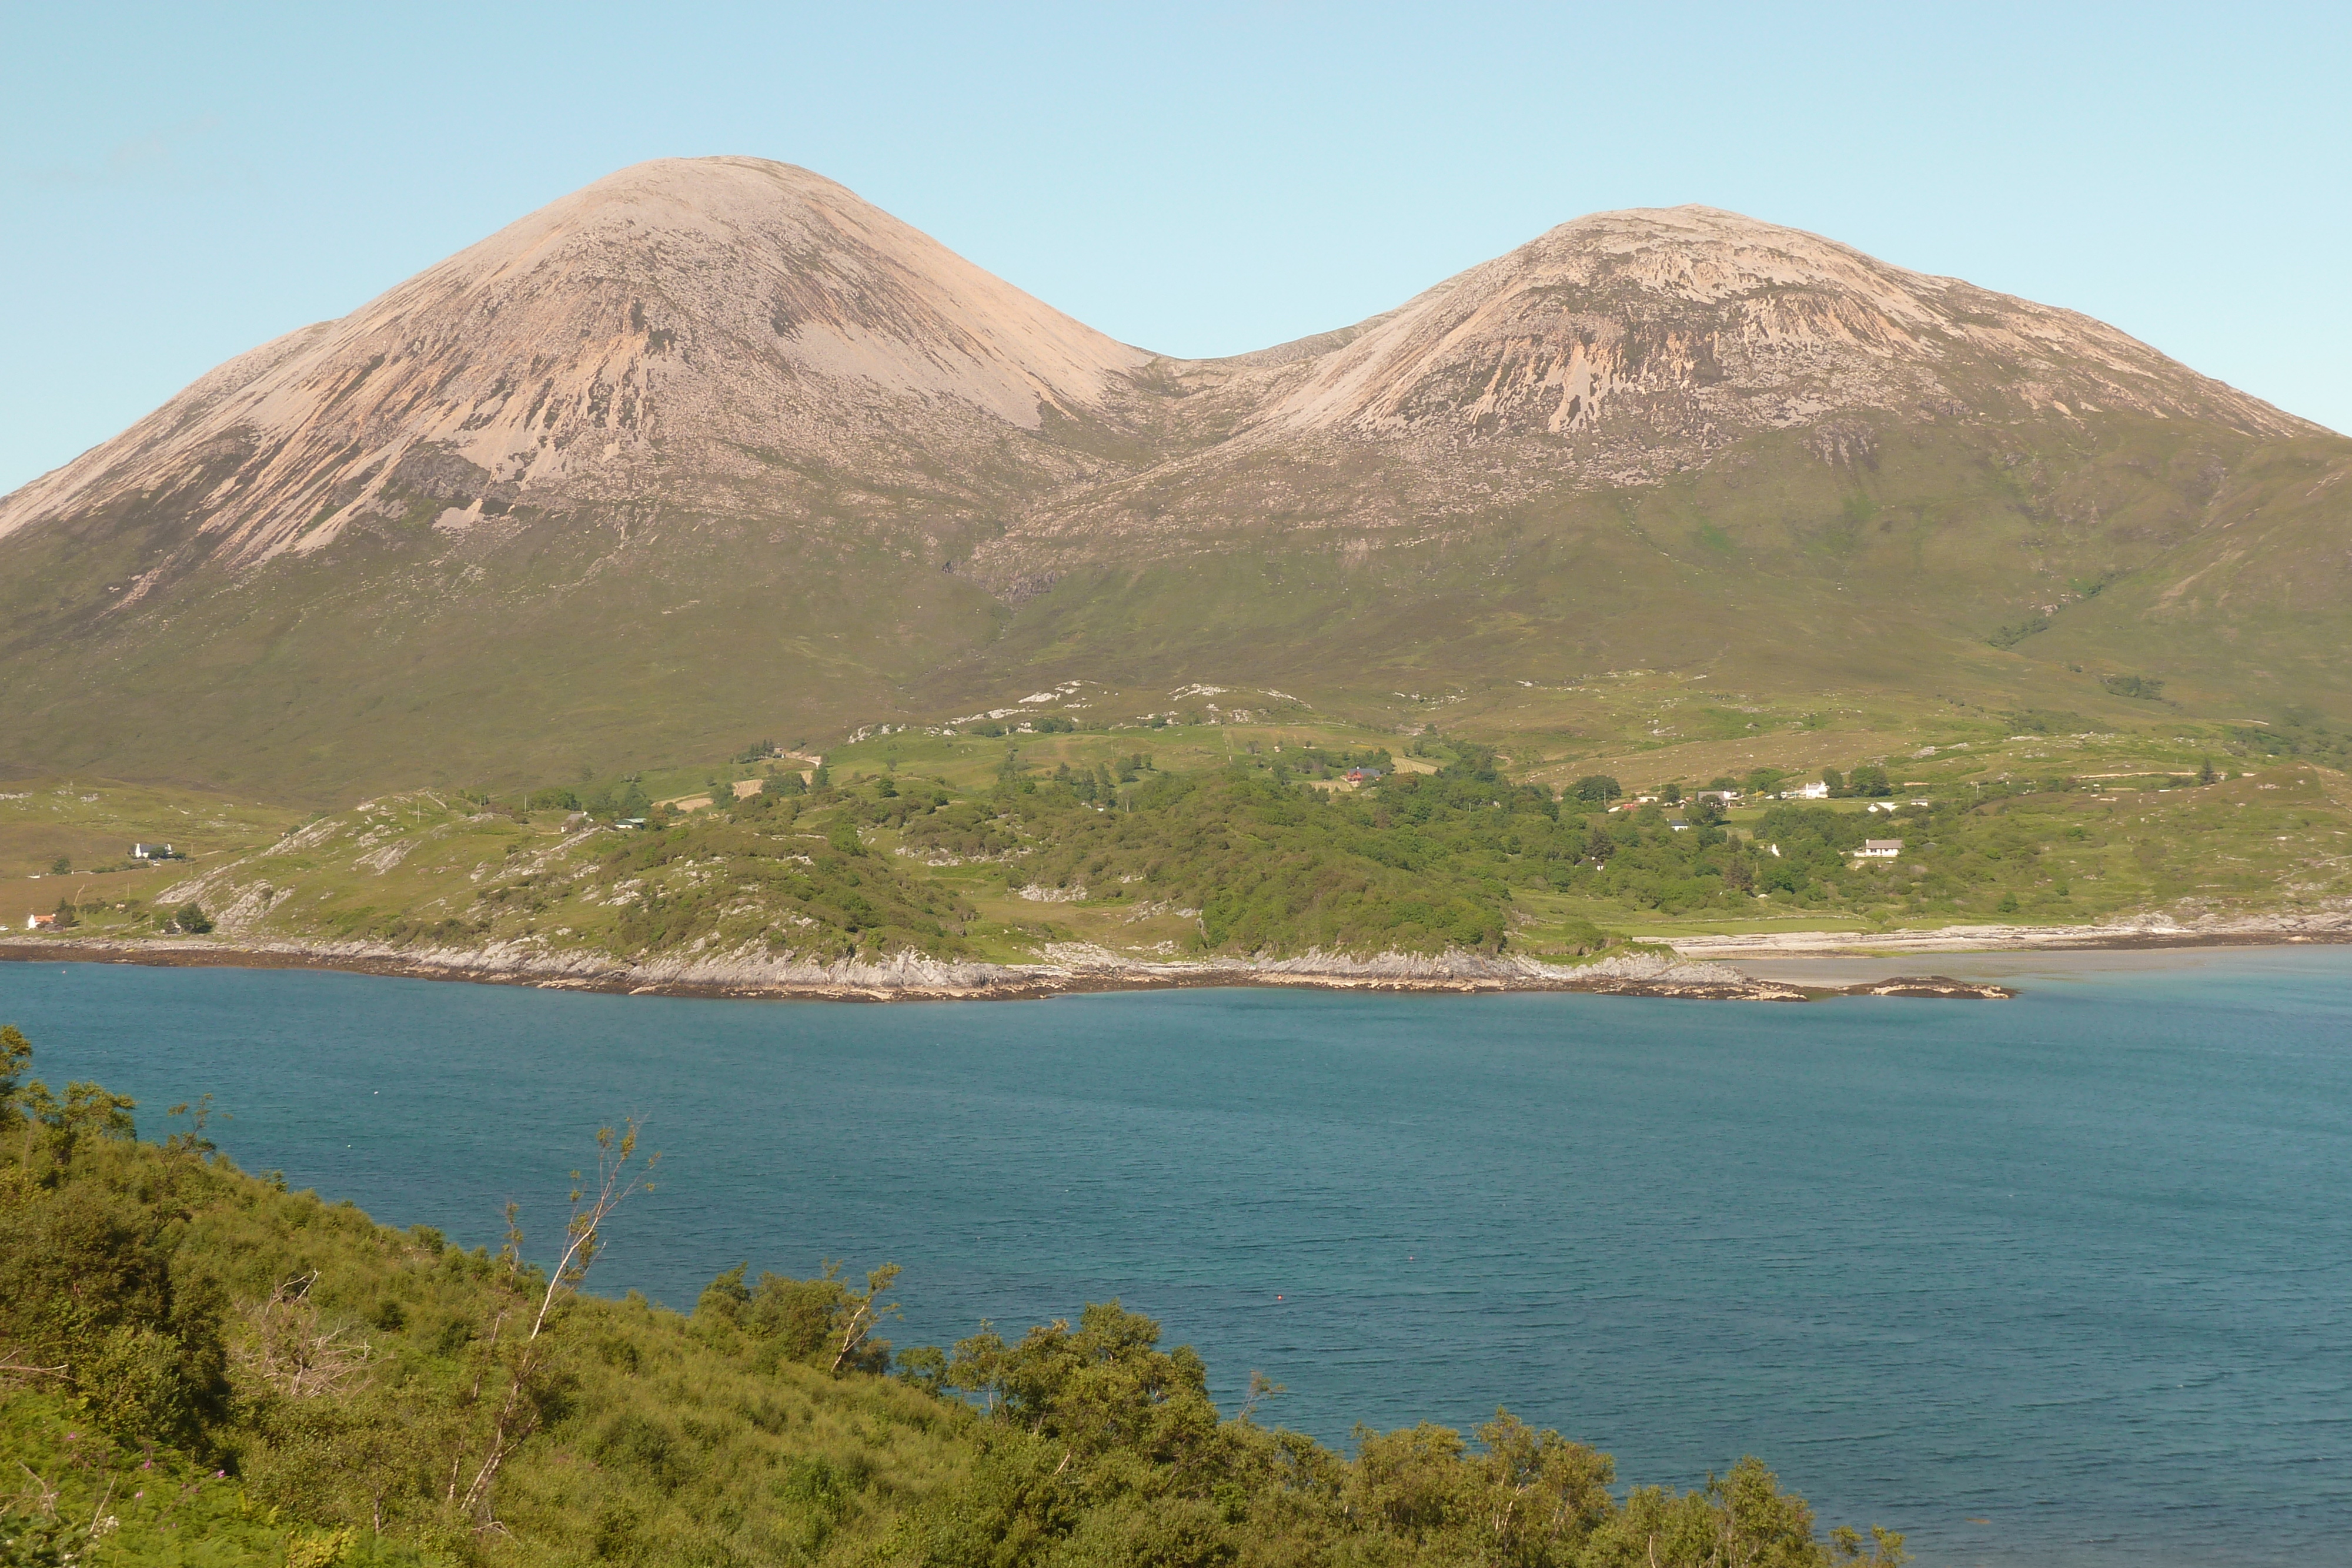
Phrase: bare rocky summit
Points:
(637, 346)
(1617, 350)
(672, 336)
(1705, 326)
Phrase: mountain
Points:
(1713, 326)
(668, 339)
(713, 448)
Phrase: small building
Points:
(1816, 790)
(154, 853)
(1362, 776)
(1879, 848)
(1679, 825)
(41, 922)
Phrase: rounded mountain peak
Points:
(688, 322)
(1712, 325)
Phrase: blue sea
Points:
(2065, 1280)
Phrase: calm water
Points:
(2076, 1265)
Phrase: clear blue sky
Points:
(184, 182)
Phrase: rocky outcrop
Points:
(1454, 966)
(910, 977)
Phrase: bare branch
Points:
(619, 1177)
(614, 1183)
(11, 1367)
(286, 1347)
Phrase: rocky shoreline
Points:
(2323, 925)
(1071, 968)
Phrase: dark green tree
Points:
(15, 1056)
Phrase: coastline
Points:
(1073, 969)
(2153, 931)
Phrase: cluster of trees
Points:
(1265, 863)
(1599, 788)
(611, 801)
(1040, 724)
(1324, 762)
(1096, 1446)
(1867, 779)
(1098, 785)
(189, 918)
(1425, 861)
(2298, 732)
(837, 898)
(1273, 867)
(194, 1354)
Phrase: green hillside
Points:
(1250, 842)
(2025, 568)
(1941, 565)
(202, 1367)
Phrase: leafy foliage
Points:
(2298, 732)
(1272, 866)
(197, 1355)
(2138, 686)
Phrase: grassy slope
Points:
(1768, 567)
(553, 654)
(1203, 850)
(401, 659)
(92, 822)
(664, 1443)
(209, 1369)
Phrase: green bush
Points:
(286, 1382)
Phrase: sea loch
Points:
(2074, 1266)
